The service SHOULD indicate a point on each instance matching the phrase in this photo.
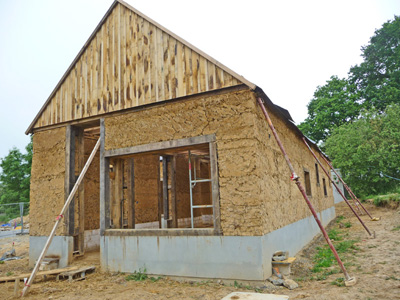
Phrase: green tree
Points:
(375, 83)
(367, 151)
(377, 78)
(15, 176)
(333, 105)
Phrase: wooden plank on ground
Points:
(49, 272)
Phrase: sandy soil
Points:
(375, 264)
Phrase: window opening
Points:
(317, 173)
(307, 182)
(324, 185)
(163, 189)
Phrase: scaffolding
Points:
(193, 182)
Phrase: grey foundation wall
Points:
(226, 257)
(61, 246)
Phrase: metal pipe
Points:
(347, 188)
(337, 188)
(295, 178)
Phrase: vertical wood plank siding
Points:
(130, 62)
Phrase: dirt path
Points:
(375, 264)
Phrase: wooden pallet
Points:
(76, 275)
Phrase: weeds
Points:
(338, 281)
(247, 287)
(397, 228)
(1, 262)
(9, 273)
(141, 276)
(339, 219)
(334, 235)
(347, 225)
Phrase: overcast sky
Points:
(287, 48)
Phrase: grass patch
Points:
(1, 262)
(340, 219)
(324, 260)
(335, 234)
(347, 225)
(397, 228)
(9, 273)
(382, 200)
(338, 281)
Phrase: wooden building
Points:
(188, 180)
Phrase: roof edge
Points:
(260, 93)
(30, 128)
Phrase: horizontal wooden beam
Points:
(161, 232)
(162, 145)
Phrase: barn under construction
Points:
(188, 181)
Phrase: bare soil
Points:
(375, 263)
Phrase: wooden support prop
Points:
(58, 220)
(349, 281)
(349, 190)
(337, 188)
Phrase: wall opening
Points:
(307, 182)
(162, 189)
(317, 173)
(324, 185)
(84, 211)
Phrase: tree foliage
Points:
(367, 151)
(375, 83)
(377, 78)
(15, 176)
(333, 104)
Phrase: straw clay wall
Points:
(283, 203)
(256, 194)
(231, 117)
(92, 189)
(47, 181)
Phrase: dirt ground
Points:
(375, 263)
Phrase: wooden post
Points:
(131, 193)
(165, 188)
(160, 198)
(16, 287)
(116, 203)
(69, 218)
(104, 183)
(174, 207)
(80, 228)
(215, 188)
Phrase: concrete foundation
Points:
(92, 240)
(61, 246)
(226, 257)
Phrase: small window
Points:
(307, 182)
(324, 185)
(317, 173)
